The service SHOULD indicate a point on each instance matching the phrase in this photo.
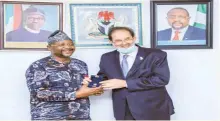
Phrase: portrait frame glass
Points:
(27, 25)
(90, 23)
(183, 24)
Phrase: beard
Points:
(64, 53)
(34, 26)
(177, 25)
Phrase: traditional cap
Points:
(58, 35)
(33, 10)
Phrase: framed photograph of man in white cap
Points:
(90, 23)
(27, 25)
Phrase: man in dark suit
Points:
(30, 31)
(137, 77)
(178, 18)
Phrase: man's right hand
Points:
(85, 91)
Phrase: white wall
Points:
(193, 85)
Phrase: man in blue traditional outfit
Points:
(55, 83)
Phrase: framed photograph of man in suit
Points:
(185, 24)
(27, 25)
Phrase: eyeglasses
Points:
(34, 18)
(179, 17)
(119, 42)
(63, 45)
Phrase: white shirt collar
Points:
(183, 30)
(133, 54)
(181, 34)
(131, 58)
(32, 31)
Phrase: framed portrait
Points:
(27, 25)
(183, 24)
(90, 23)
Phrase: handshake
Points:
(96, 85)
(98, 81)
(91, 86)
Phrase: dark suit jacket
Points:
(146, 94)
(192, 33)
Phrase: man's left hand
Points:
(113, 84)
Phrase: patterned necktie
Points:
(176, 36)
(124, 65)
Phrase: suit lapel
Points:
(138, 60)
(169, 33)
(188, 33)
